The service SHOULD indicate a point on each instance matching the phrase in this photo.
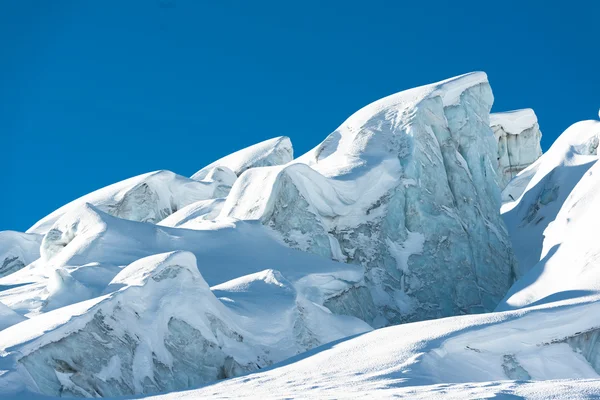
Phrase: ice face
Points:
(406, 187)
(518, 136)
(276, 151)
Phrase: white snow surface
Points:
(514, 122)
(535, 353)
(553, 224)
(148, 198)
(276, 151)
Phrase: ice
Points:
(276, 151)
(518, 136)
(17, 250)
(406, 187)
(148, 198)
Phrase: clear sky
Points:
(93, 92)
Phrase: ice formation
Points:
(406, 187)
(518, 136)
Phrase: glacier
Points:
(264, 275)
(408, 188)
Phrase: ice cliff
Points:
(406, 187)
(518, 136)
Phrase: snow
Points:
(514, 122)
(149, 198)
(458, 357)
(17, 250)
(160, 311)
(276, 151)
(263, 276)
(416, 164)
(553, 223)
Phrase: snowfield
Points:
(425, 249)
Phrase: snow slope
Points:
(406, 187)
(553, 224)
(477, 356)
(518, 136)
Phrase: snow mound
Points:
(147, 198)
(406, 187)
(17, 250)
(518, 136)
(553, 223)
(276, 151)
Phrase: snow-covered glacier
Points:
(420, 206)
(408, 188)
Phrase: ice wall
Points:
(518, 136)
(406, 187)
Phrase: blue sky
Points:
(95, 92)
